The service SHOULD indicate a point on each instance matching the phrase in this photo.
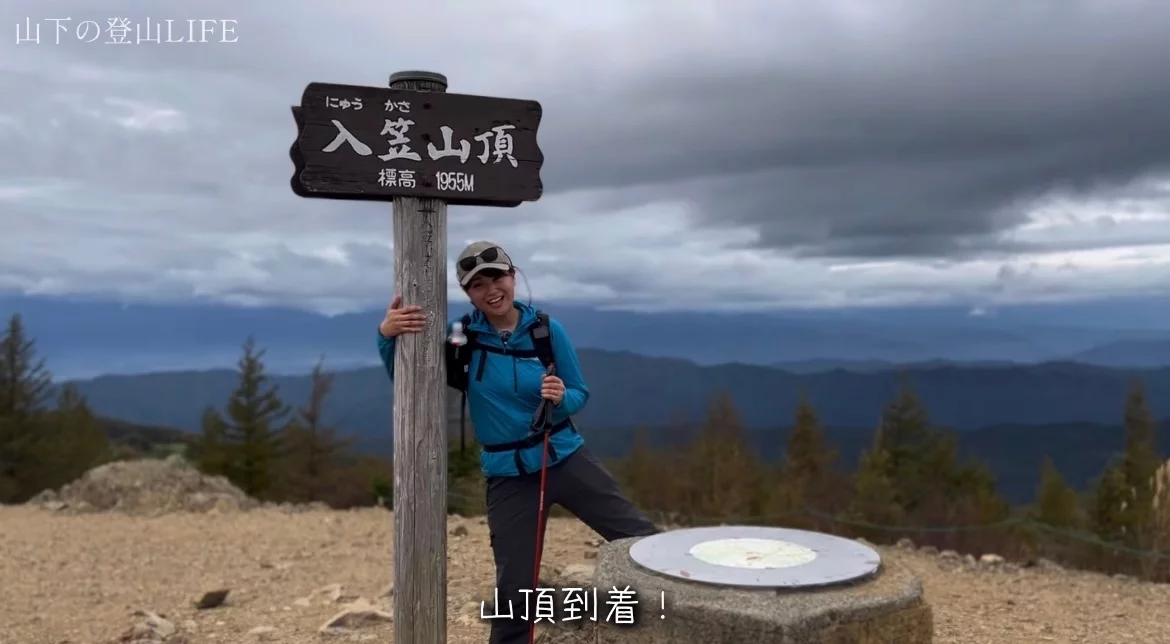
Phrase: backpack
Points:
(458, 361)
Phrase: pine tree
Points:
(211, 450)
(875, 496)
(1109, 514)
(76, 442)
(724, 471)
(25, 383)
(806, 479)
(905, 427)
(641, 476)
(1141, 459)
(253, 428)
(932, 486)
(972, 484)
(909, 442)
(1057, 504)
(807, 460)
(1109, 504)
(41, 447)
(313, 449)
(948, 481)
(24, 390)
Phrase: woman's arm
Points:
(569, 371)
(386, 347)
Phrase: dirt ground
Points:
(79, 579)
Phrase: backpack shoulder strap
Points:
(541, 334)
(463, 360)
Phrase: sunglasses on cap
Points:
(485, 256)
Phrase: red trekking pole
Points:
(540, 422)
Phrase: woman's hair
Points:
(495, 273)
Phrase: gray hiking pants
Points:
(581, 485)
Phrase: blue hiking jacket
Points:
(501, 405)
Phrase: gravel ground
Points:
(79, 579)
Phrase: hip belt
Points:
(532, 440)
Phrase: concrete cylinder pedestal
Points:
(743, 584)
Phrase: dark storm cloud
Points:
(919, 129)
(916, 129)
(922, 135)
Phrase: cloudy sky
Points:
(733, 153)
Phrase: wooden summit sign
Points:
(373, 143)
(421, 148)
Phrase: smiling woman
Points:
(523, 385)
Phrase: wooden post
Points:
(338, 129)
(420, 410)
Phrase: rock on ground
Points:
(145, 486)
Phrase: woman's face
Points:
(492, 293)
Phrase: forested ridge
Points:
(908, 482)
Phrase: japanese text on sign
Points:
(377, 143)
(124, 31)
(496, 142)
(540, 605)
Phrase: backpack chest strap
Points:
(485, 349)
(519, 353)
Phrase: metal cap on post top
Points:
(419, 80)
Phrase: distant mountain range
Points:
(628, 390)
(1122, 355)
(1017, 385)
(971, 371)
(1127, 353)
(86, 338)
(875, 366)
